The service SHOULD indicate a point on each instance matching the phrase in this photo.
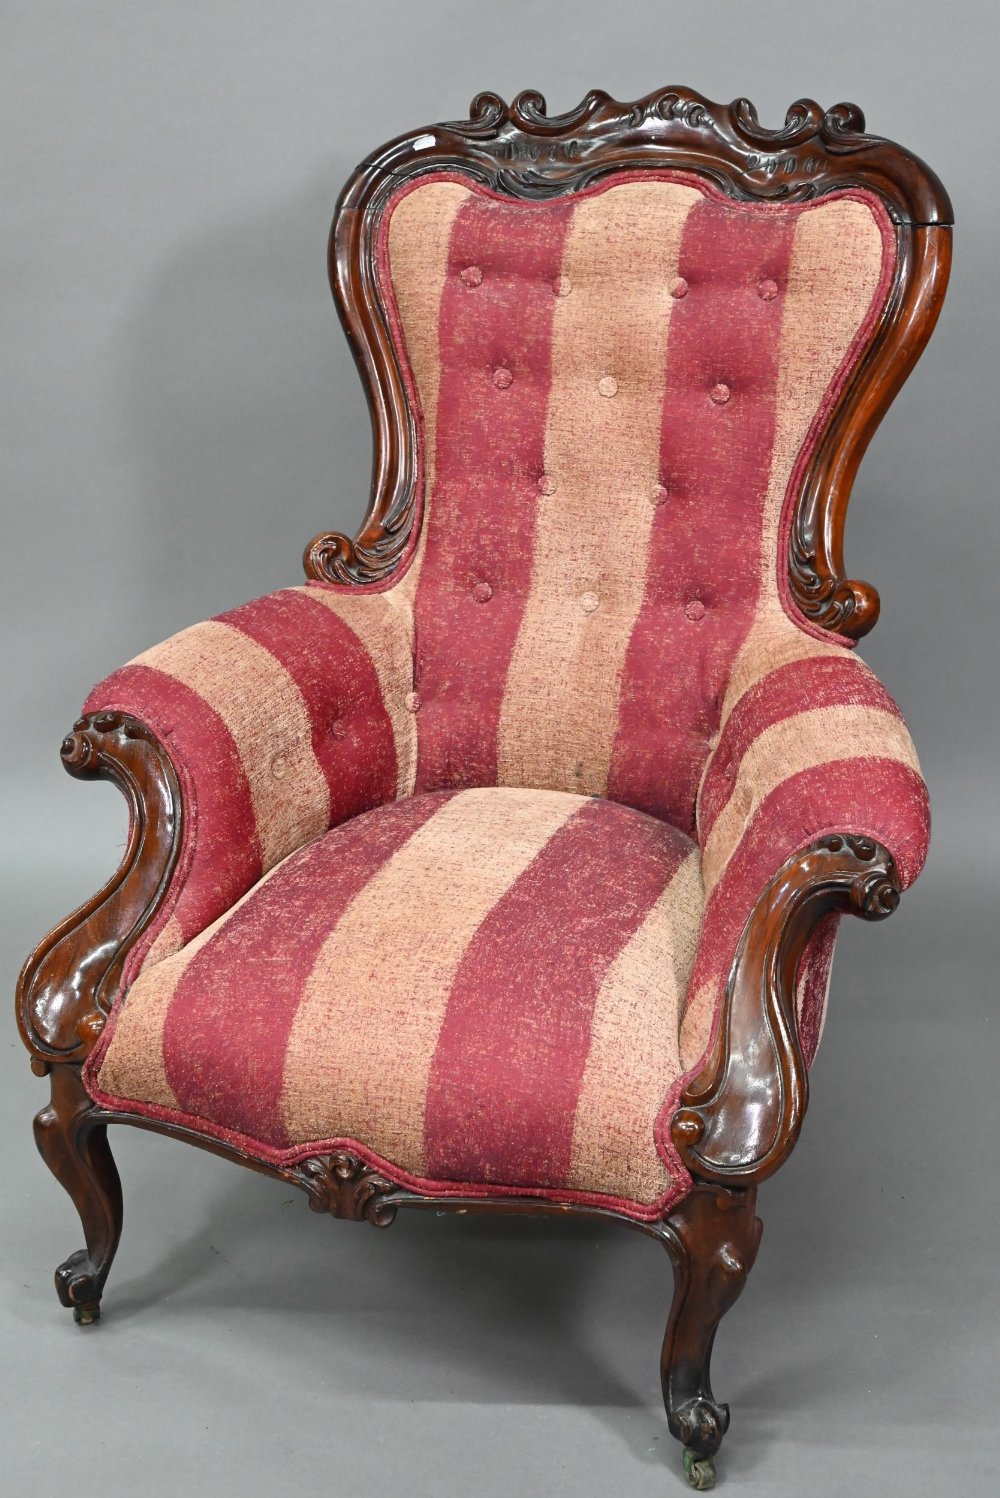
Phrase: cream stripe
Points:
(134, 1066)
(816, 737)
(560, 709)
(169, 941)
(385, 1000)
(833, 274)
(383, 624)
(419, 236)
(633, 1057)
(265, 712)
(696, 1026)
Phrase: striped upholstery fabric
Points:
(482, 986)
(616, 388)
(810, 743)
(564, 749)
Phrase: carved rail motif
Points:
(345, 1186)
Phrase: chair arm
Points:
(68, 984)
(811, 806)
(234, 742)
(282, 718)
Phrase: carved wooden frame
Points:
(68, 984)
(521, 151)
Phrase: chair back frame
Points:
(520, 151)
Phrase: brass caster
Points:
(699, 1470)
(86, 1315)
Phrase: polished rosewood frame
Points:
(68, 985)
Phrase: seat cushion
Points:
(475, 990)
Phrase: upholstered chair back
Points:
(616, 391)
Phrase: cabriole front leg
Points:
(76, 1150)
(712, 1239)
(70, 981)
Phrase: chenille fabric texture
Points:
(467, 857)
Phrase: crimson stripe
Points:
(490, 454)
(219, 823)
(879, 798)
(715, 455)
(248, 980)
(510, 1058)
(815, 973)
(352, 736)
(800, 686)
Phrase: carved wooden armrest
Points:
(740, 1118)
(68, 984)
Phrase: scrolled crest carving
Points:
(531, 153)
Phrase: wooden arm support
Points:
(67, 985)
(740, 1118)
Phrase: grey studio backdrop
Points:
(180, 415)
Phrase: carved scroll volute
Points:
(67, 985)
(816, 571)
(740, 1119)
(377, 549)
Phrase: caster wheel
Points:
(86, 1315)
(699, 1470)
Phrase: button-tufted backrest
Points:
(615, 389)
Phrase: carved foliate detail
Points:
(844, 606)
(532, 154)
(69, 982)
(345, 1186)
(335, 558)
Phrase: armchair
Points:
(499, 865)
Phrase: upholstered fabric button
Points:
(562, 285)
(694, 610)
(720, 394)
(502, 378)
(607, 385)
(589, 602)
(678, 288)
(482, 592)
(472, 275)
(279, 766)
(767, 291)
(412, 701)
(546, 484)
(660, 495)
(338, 729)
